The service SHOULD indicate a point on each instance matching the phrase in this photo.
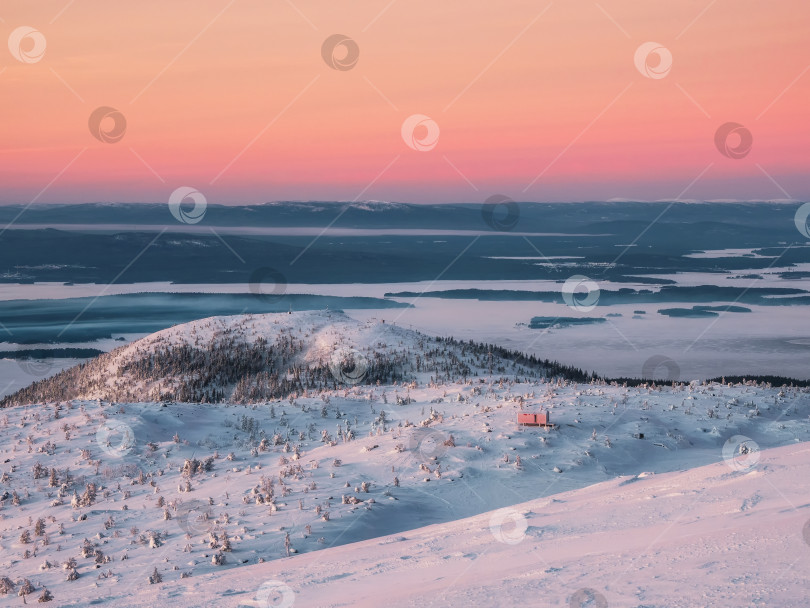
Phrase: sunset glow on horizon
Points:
(538, 101)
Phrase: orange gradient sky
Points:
(534, 100)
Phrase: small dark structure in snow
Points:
(534, 419)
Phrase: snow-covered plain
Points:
(354, 473)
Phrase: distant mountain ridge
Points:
(532, 216)
(394, 242)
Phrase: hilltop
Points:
(253, 358)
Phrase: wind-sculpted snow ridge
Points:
(253, 358)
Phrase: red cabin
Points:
(538, 419)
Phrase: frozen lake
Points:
(767, 340)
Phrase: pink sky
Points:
(533, 100)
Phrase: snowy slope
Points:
(705, 537)
(352, 463)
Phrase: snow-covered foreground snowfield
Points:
(322, 498)
(703, 537)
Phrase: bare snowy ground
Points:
(322, 499)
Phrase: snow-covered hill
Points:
(96, 498)
(252, 358)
